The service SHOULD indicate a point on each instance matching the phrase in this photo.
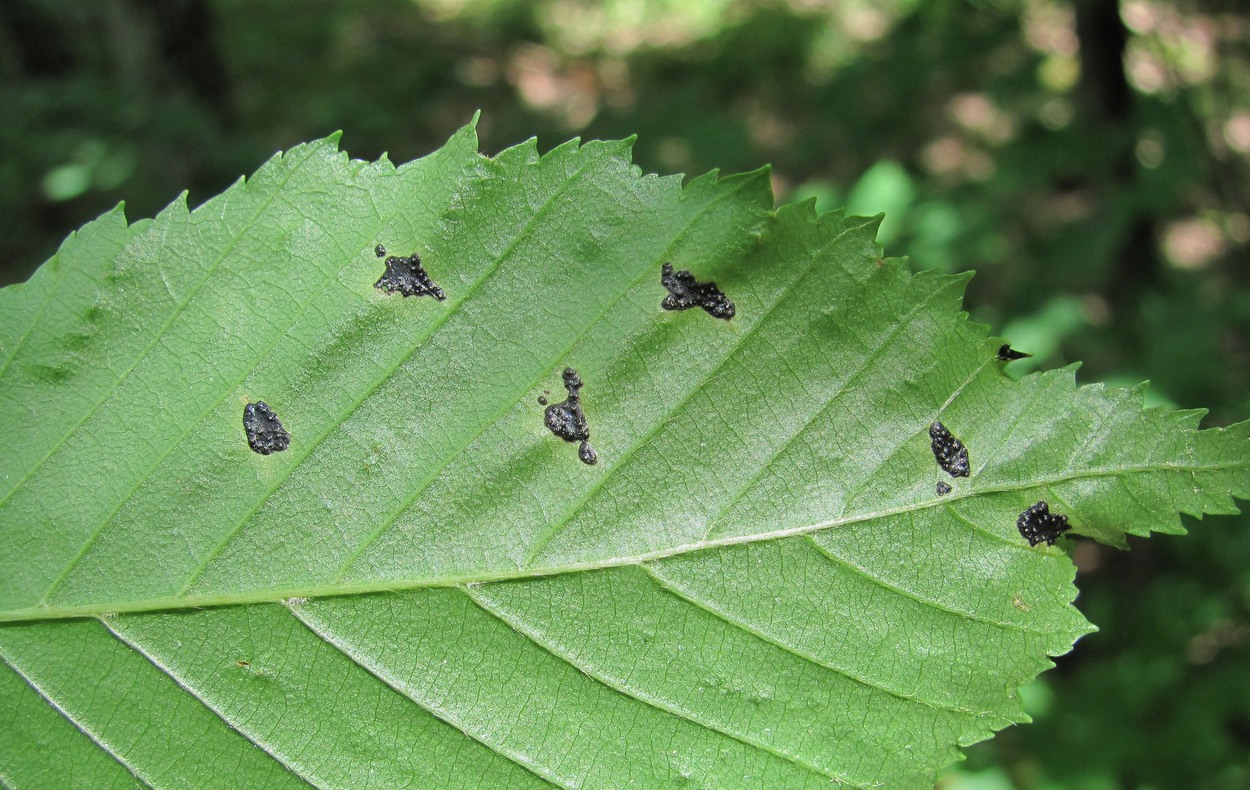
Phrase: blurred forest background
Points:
(1090, 159)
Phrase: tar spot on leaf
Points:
(1008, 354)
(1037, 524)
(684, 292)
(542, 400)
(265, 433)
(949, 452)
(407, 276)
(567, 420)
(943, 488)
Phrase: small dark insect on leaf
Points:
(265, 433)
(243, 663)
(407, 276)
(943, 488)
(684, 292)
(542, 400)
(1037, 524)
(949, 452)
(1009, 354)
(567, 420)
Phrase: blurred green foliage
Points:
(1090, 160)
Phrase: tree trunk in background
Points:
(1107, 109)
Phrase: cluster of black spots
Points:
(1008, 354)
(407, 276)
(567, 420)
(949, 452)
(265, 433)
(684, 292)
(943, 488)
(1037, 524)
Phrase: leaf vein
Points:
(34, 613)
(33, 323)
(185, 688)
(84, 729)
(872, 357)
(1013, 545)
(559, 524)
(529, 633)
(389, 521)
(160, 334)
(190, 426)
(373, 387)
(397, 686)
(684, 594)
(894, 588)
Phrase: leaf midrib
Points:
(169, 603)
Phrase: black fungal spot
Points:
(1037, 524)
(567, 420)
(1008, 354)
(265, 433)
(684, 292)
(949, 452)
(407, 276)
(943, 488)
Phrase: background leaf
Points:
(757, 585)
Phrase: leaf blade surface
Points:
(757, 584)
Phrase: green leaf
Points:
(757, 584)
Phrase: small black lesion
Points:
(406, 276)
(943, 488)
(1038, 524)
(567, 420)
(265, 433)
(948, 451)
(1008, 354)
(684, 292)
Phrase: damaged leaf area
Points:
(948, 451)
(685, 292)
(1037, 524)
(265, 434)
(425, 589)
(568, 421)
(406, 276)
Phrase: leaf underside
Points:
(756, 585)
